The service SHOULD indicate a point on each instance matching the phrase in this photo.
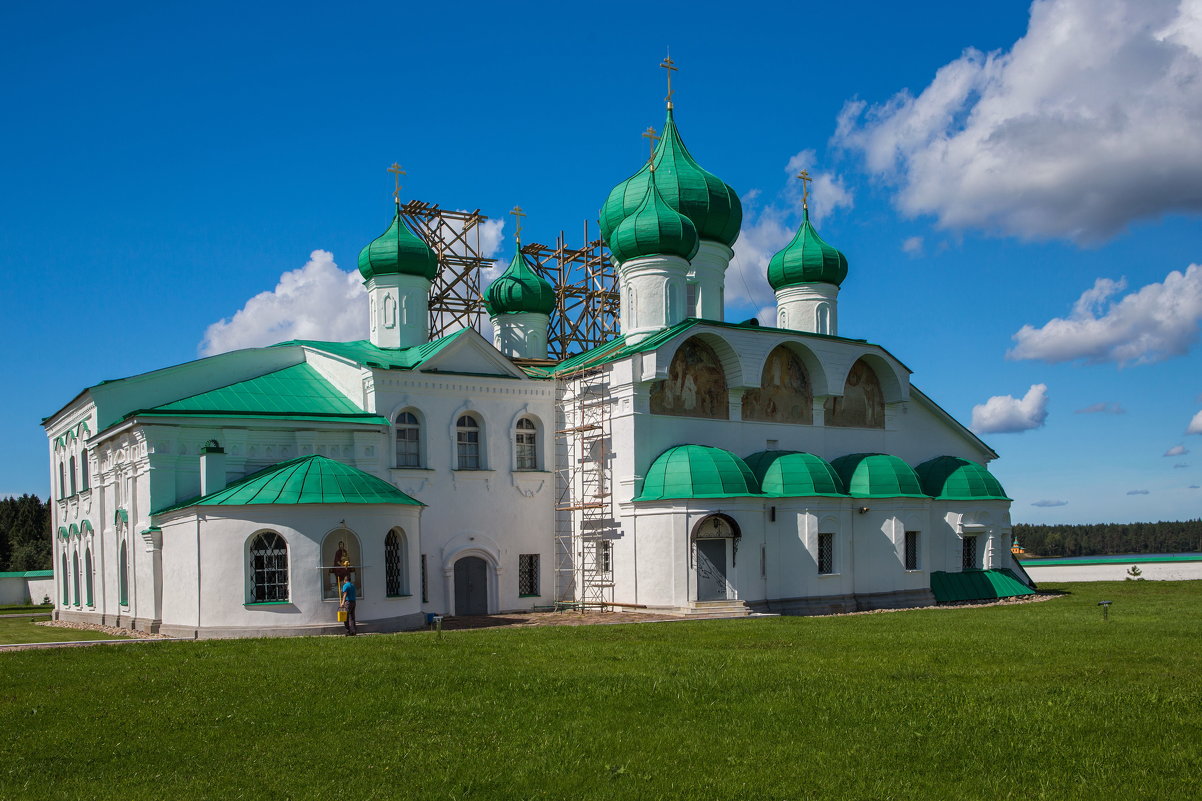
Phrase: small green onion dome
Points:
(653, 229)
(877, 475)
(697, 471)
(793, 474)
(704, 198)
(807, 260)
(398, 251)
(519, 289)
(951, 478)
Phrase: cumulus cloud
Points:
(1048, 503)
(1137, 492)
(912, 246)
(1177, 450)
(1006, 414)
(1195, 425)
(1157, 322)
(1102, 408)
(1088, 122)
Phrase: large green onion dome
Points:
(793, 474)
(713, 206)
(398, 251)
(950, 478)
(697, 471)
(877, 475)
(653, 229)
(519, 289)
(807, 260)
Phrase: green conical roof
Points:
(653, 229)
(877, 475)
(954, 479)
(398, 251)
(807, 260)
(519, 289)
(697, 471)
(792, 474)
(701, 196)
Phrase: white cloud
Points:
(1088, 122)
(1176, 450)
(1157, 322)
(1195, 425)
(317, 301)
(1047, 504)
(1138, 492)
(1102, 408)
(912, 245)
(1006, 414)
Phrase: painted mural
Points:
(863, 401)
(695, 386)
(785, 394)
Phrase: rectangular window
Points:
(763, 561)
(691, 295)
(469, 450)
(527, 455)
(826, 554)
(968, 554)
(911, 550)
(528, 574)
(425, 582)
(605, 556)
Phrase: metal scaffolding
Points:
(455, 300)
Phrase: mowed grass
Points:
(23, 630)
(17, 608)
(1029, 701)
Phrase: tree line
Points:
(25, 537)
(1097, 539)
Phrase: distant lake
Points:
(1112, 558)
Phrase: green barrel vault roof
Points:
(951, 478)
(305, 479)
(877, 475)
(398, 251)
(807, 259)
(697, 471)
(793, 474)
(653, 229)
(977, 585)
(519, 289)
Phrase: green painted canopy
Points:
(807, 260)
(519, 289)
(977, 585)
(877, 475)
(305, 479)
(713, 207)
(950, 478)
(398, 251)
(793, 474)
(653, 229)
(697, 471)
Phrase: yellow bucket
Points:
(341, 615)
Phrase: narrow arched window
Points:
(71, 473)
(83, 470)
(62, 480)
(75, 576)
(823, 318)
(408, 440)
(396, 564)
(87, 576)
(123, 576)
(526, 445)
(467, 443)
(66, 577)
(268, 568)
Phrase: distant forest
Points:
(25, 537)
(1106, 538)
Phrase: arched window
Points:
(823, 318)
(71, 473)
(268, 568)
(62, 480)
(467, 443)
(66, 581)
(87, 576)
(396, 564)
(408, 440)
(83, 470)
(75, 575)
(525, 444)
(123, 576)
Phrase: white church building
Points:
(689, 466)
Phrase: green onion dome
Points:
(398, 251)
(697, 471)
(713, 206)
(653, 229)
(807, 260)
(519, 289)
(877, 475)
(950, 478)
(792, 474)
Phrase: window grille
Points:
(123, 577)
(911, 550)
(968, 554)
(269, 568)
(826, 553)
(393, 580)
(605, 556)
(528, 574)
(408, 440)
(425, 582)
(526, 444)
(467, 440)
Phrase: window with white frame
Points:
(75, 576)
(528, 574)
(467, 443)
(87, 577)
(71, 473)
(408, 440)
(62, 481)
(268, 568)
(968, 553)
(66, 577)
(911, 550)
(123, 576)
(826, 554)
(83, 470)
(525, 444)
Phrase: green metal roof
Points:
(519, 289)
(305, 479)
(26, 574)
(398, 251)
(977, 585)
(793, 474)
(697, 471)
(877, 475)
(362, 352)
(712, 206)
(653, 229)
(950, 478)
(808, 259)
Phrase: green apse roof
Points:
(713, 206)
(697, 471)
(519, 289)
(398, 251)
(877, 475)
(305, 479)
(653, 229)
(950, 478)
(977, 585)
(807, 260)
(793, 474)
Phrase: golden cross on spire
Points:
(518, 214)
(652, 137)
(397, 172)
(668, 64)
(806, 180)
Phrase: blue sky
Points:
(983, 166)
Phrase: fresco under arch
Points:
(863, 401)
(785, 394)
(695, 386)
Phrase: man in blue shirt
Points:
(348, 603)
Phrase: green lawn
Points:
(9, 610)
(18, 630)
(1035, 701)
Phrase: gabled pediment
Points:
(470, 354)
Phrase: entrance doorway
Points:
(711, 570)
(471, 586)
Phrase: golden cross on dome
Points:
(397, 172)
(652, 137)
(806, 180)
(518, 214)
(668, 64)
